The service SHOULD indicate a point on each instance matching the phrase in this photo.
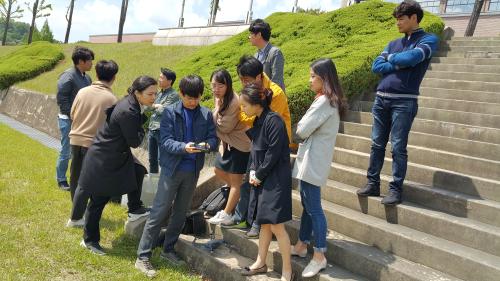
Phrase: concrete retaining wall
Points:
(197, 36)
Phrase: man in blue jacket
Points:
(183, 124)
(403, 64)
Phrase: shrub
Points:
(27, 62)
(352, 37)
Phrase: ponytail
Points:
(255, 94)
(141, 83)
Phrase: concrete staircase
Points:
(448, 227)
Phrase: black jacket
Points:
(68, 85)
(271, 202)
(108, 168)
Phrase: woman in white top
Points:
(318, 129)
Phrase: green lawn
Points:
(35, 245)
(134, 59)
(4, 50)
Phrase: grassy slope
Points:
(35, 245)
(134, 59)
(4, 50)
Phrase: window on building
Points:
(460, 6)
(430, 6)
(494, 6)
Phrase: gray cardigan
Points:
(318, 128)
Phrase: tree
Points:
(69, 19)
(123, 16)
(471, 27)
(8, 13)
(38, 10)
(214, 7)
(46, 33)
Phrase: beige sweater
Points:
(230, 129)
(88, 112)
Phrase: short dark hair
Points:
(169, 74)
(106, 70)
(249, 66)
(255, 94)
(261, 26)
(81, 53)
(192, 85)
(408, 8)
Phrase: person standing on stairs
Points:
(318, 128)
(68, 85)
(232, 160)
(270, 176)
(402, 64)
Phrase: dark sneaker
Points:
(139, 213)
(253, 233)
(232, 225)
(145, 266)
(393, 198)
(369, 190)
(63, 185)
(172, 258)
(93, 247)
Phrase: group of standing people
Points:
(251, 131)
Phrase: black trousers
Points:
(96, 205)
(78, 154)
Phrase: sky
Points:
(92, 17)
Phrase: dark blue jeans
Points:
(394, 117)
(313, 218)
(153, 148)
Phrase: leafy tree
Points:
(8, 12)
(46, 33)
(38, 10)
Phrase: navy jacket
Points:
(172, 147)
(403, 63)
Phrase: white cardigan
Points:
(318, 128)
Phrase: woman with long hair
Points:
(231, 162)
(270, 177)
(318, 129)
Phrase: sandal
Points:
(247, 271)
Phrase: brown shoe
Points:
(249, 272)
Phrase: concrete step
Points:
(458, 163)
(470, 39)
(460, 105)
(465, 53)
(470, 48)
(456, 203)
(249, 248)
(461, 117)
(477, 187)
(463, 231)
(454, 94)
(454, 145)
(478, 43)
(465, 75)
(448, 129)
(468, 61)
(471, 68)
(493, 87)
(223, 264)
(369, 261)
(440, 254)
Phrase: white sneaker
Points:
(313, 268)
(75, 223)
(145, 267)
(221, 217)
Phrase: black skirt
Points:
(232, 161)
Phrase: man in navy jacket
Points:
(403, 64)
(183, 124)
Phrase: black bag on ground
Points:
(216, 201)
(195, 224)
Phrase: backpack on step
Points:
(216, 201)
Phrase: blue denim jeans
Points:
(65, 153)
(394, 117)
(154, 150)
(313, 218)
(178, 191)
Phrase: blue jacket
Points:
(172, 147)
(403, 63)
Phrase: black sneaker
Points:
(393, 198)
(145, 266)
(369, 190)
(138, 213)
(94, 247)
(172, 258)
(63, 185)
